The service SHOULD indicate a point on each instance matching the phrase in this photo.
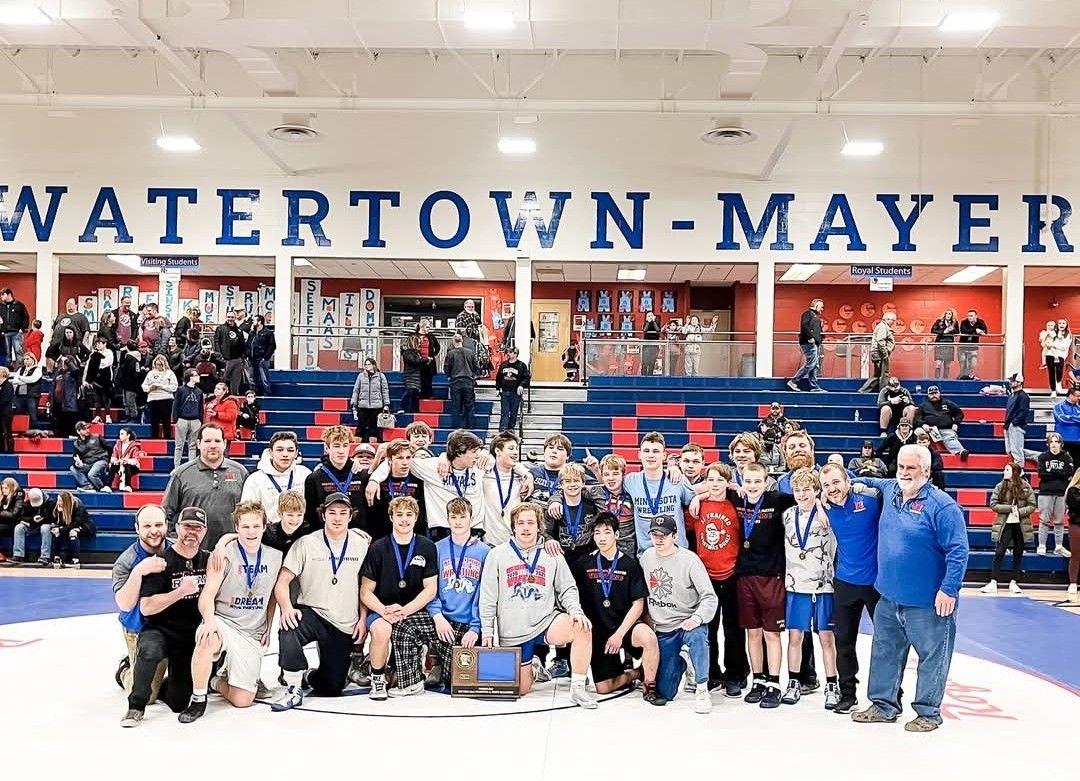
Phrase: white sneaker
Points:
(1041, 550)
(106, 489)
(1061, 550)
(1014, 588)
(1053, 394)
(378, 687)
(582, 697)
(702, 701)
(1072, 592)
(126, 489)
(989, 588)
(409, 691)
(292, 697)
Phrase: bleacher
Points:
(618, 411)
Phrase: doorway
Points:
(552, 318)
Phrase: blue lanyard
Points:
(457, 566)
(343, 487)
(573, 525)
(748, 525)
(606, 578)
(277, 485)
(504, 500)
(653, 504)
(334, 565)
(803, 536)
(535, 561)
(460, 487)
(401, 564)
(250, 575)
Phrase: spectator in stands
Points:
(1067, 422)
(894, 403)
(278, 471)
(1017, 414)
(1054, 370)
(27, 384)
(127, 328)
(211, 482)
(693, 332)
(146, 365)
(187, 411)
(649, 351)
(810, 339)
(511, 380)
(156, 328)
(210, 365)
(71, 526)
(1072, 502)
(223, 410)
(11, 507)
(370, 396)
(229, 343)
(772, 425)
(127, 378)
(1013, 502)
(7, 411)
(1063, 349)
(944, 329)
(33, 342)
(106, 329)
(71, 318)
(882, 344)
(972, 329)
(160, 388)
(867, 464)
(468, 322)
(509, 339)
(37, 514)
(188, 327)
(98, 381)
(746, 449)
(124, 463)
(570, 362)
(1056, 466)
(67, 379)
(176, 354)
(772, 459)
(460, 368)
(937, 466)
(14, 323)
(247, 422)
(428, 345)
(90, 462)
(69, 345)
(941, 418)
(922, 555)
(890, 448)
(414, 363)
(260, 351)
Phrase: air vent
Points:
(296, 134)
(728, 136)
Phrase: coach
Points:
(211, 482)
(922, 554)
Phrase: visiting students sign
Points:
(670, 222)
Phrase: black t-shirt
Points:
(180, 620)
(321, 483)
(628, 585)
(766, 554)
(559, 529)
(275, 537)
(377, 517)
(381, 566)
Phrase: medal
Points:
(250, 574)
(802, 536)
(607, 603)
(277, 485)
(531, 578)
(504, 500)
(402, 564)
(746, 545)
(334, 564)
(653, 504)
(573, 525)
(606, 578)
(458, 580)
(750, 520)
(343, 486)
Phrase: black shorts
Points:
(607, 666)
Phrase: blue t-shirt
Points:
(856, 528)
(458, 598)
(673, 498)
(545, 483)
(132, 620)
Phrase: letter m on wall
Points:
(735, 207)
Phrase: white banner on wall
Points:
(148, 297)
(169, 295)
(349, 320)
(208, 304)
(266, 302)
(88, 305)
(249, 301)
(310, 298)
(328, 321)
(370, 312)
(229, 299)
(108, 299)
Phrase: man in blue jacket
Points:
(1017, 414)
(1067, 422)
(922, 555)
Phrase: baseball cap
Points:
(335, 498)
(894, 381)
(365, 447)
(664, 524)
(192, 515)
(36, 497)
(1016, 377)
(933, 389)
(868, 443)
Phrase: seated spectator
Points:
(894, 403)
(836, 459)
(69, 346)
(98, 381)
(7, 411)
(867, 464)
(37, 513)
(941, 418)
(71, 525)
(11, 507)
(210, 366)
(248, 419)
(187, 412)
(890, 448)
(124, 463)
(66, 410)
(222, 409)
(160, 388)
(772, 425)
(27, 382)
(127, 380)
(90, 463)
(33, 341)
(937, 466)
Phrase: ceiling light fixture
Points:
(467, 269)
(489, 19)
(969, 274)
(516, 146)
(132, 262)
(301, 262)
(4, 268)
(862, 148)
(178, 144)
(631, 275)
(22, 14)
(800, 272)
(968, 21)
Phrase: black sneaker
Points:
(771, 698)
(757, 691)
(734, 689)
(809, 687)
(193, 711)
(964, 455)
(123, 667)
(847, 704)
(651, 696)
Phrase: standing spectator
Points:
(98, 381)
(68, 346)
(106, 329)
(937, 466)
(1067, 422)
(124, 463)
(38, 512)
(460, 368)
(693, 333)
(1017, 413)
(468, 321)
(261, 347)
(71, 525)
(971, 330)
(509, 340)
(146, 364)
(27, 382)
(1063, 347)
(810, 339)
(650, 333)
(176, 355)
(894, 403)
(127, 377)
(247, 422)
(944, 329)
(7, 411)
(90, 462)
(223, 410)
(14, 323)
(127, 329)
(1013, 502)
(211, 482)
(71, 318)
(1056, 466)
(64, 406)
(570, 362)
(429, 347)
(370, 396)
(1072, 501)
(156, 328)
(1054, 369)
(34, 340)
(922, 554)
(187, 411)
(867, 464)
(941, 417)
(229, 343)
(511, 380)
(189, 326)
(882, 343)
(160, 388)
(210, 365)
(414, 364)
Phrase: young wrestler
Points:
(398, 580)
(278, 472)
(334, 474)
(611, 497)
(745, 449)
(612, 589)
(654, 494)
(571, 526)
(237, 608)
(692, 462)
(557, 449)
(533, 597)
(420, 436)
(399, 482)
(810, 550)
(506, 484)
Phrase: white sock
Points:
(702, 687)
(294, 678)
(577, 679)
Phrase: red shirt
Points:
(32, 343)
(425, 346)
(717, 533)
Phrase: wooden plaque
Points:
(488, 673)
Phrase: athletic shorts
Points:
(810, 612)
(528, 648)
(607, 666)
(243, 657)
(761, 602)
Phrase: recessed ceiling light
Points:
(800, 272)
(969, 274)
(516, 146)
(22, 14)
(301, 262)
(968, 21)
(467, 269)
(862, 148)
(178, 144)
(631, 275)
(489, 19)
(4, 268)
(133, 262)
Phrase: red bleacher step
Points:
(660, 409)
(154, 447)
(41, 479)
(20, 424)
(29, 462)
(972, 497)
(699, 425)
(985, 461)
(335, 404)
(436, 406)
(43, 445)
(135, 501)
(624, 439)
(981, 516)
(624, 424)
(327, 418)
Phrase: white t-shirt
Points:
(309, 560)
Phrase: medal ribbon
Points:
(277, 485)
(520, 555)
(401, 565)
(456, 566)
(653, 504)
(573, 525)
(804, 536)
(344, 547)
(343, 487)
(606, 578)
(748, 523)
(248, 574)
(504, 500)
(460, 486)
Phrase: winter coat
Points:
(13, 316)
(414, 365)
(261, 345)
(1025, 504)
(224, 413)
(80, 520)
(27, 382)
(91, 450)
(74, 349)
(11, 508)
(370, 391)
(1072, 504)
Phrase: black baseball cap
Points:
(933, 389)
(335, 498)
(192, 515)
(663, 524)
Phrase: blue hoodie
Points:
(460, 602)
(1067, 420)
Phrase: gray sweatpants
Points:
(1051, 513)
(187, 432)
(1014, 446)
